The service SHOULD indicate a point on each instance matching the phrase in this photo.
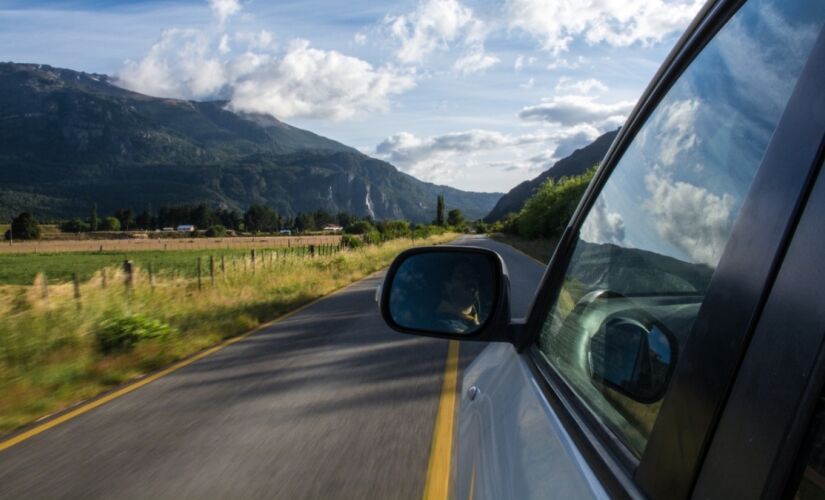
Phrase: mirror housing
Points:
(449, 292)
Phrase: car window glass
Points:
(651, 241)
(812, 483)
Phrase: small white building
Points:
(332, 228)
(186, 228)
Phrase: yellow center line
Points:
(437, 486)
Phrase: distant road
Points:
(328, 403)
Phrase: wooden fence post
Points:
(128, 269)
(44, 287)
(200, 285)
(151, 276)
(253, 261)
(103, 278)
(223, 264)
(312, 251)
(212, 271)
(76, 283)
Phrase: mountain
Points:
(577, 163)
(71, 139)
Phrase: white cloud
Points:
(300, 81)
(576, 109)
(522, 61)
(223, 46)
(444, 157)
(360, 38)
(690, 217)
(434, 25)
(603, 226)
(556, 23)
(224, 9)
(528, 84)
(675, 129)
(261, 40)
(564, 63)
(314, 83)
(181, 64)
(405, 148)
(474, 62)
(581, 87)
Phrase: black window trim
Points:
(614, 457)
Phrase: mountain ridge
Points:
(72, 139)
(574, 164)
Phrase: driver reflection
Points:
(457, 311)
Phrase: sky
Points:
(479, 95)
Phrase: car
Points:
(286, 232)
(675, 346)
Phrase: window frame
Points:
(681, 436)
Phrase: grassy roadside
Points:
(540, 249)
(52, 350)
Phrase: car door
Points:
(675, 246)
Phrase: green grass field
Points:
(51, 352)
(21, 269)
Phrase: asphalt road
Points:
(328, 403)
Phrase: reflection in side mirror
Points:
(631, 358)
(444, 291)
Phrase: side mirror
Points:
(632, 357)
(454, 292)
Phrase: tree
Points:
(145, 220)
(24, 227)
(126, 216)
(202, 216)
(229, 218)
(455, 217)
(93, 222)
(439, 211)
(260, 218)
(110, 224)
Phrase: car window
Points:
(812, 483)
(652, 239)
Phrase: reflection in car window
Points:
(651, 241)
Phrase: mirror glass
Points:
(443, 292)
(631, 358)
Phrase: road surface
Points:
(328, 403)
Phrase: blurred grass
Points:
(48, 355)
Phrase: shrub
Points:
(547, 212)
(392, 229)
(110, 224)
(373, 237)
(24, 227)
(350, 241)
(216, 231)
(74, 226)
(120, 334)
(359, 227)
(455, 217)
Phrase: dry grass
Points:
(171, 244)
(48, 354)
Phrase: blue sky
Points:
(480, 95)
